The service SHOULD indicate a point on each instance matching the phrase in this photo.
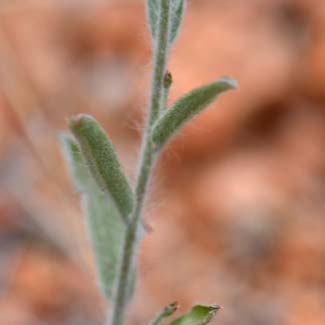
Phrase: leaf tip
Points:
(63, 137)
(229, 82)
(171, 308)
(198, 315)
(214, 308)
(78, 120)
(67, 142)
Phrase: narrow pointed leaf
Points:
(153, 16)
(199, 315)
(186, 108)
(104, 225)
(102, 162)
(165, 312)
(177, 11)
(106, 231)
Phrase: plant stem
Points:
(158, 319)
(160, 59)
(129, 248)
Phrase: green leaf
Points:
(165, 312)
(102, 162)
(186, 108)
(199, 315)
(104, 224)
(80, 176)
(153, 16)
(106, 232)
(177, 11)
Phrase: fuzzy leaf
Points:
(104, 225)
(153, 16)
(106, 232)
(177, 11)
(165, 312)
(102, 162)
(186, 108)
(82, 181)
(199, 315)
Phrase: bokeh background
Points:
(237, 206)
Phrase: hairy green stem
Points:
(129, 248)
(160, 59)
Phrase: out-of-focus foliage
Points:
(199, 315)
(104, 223)
(165, 312)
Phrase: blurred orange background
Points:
(237, 202)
